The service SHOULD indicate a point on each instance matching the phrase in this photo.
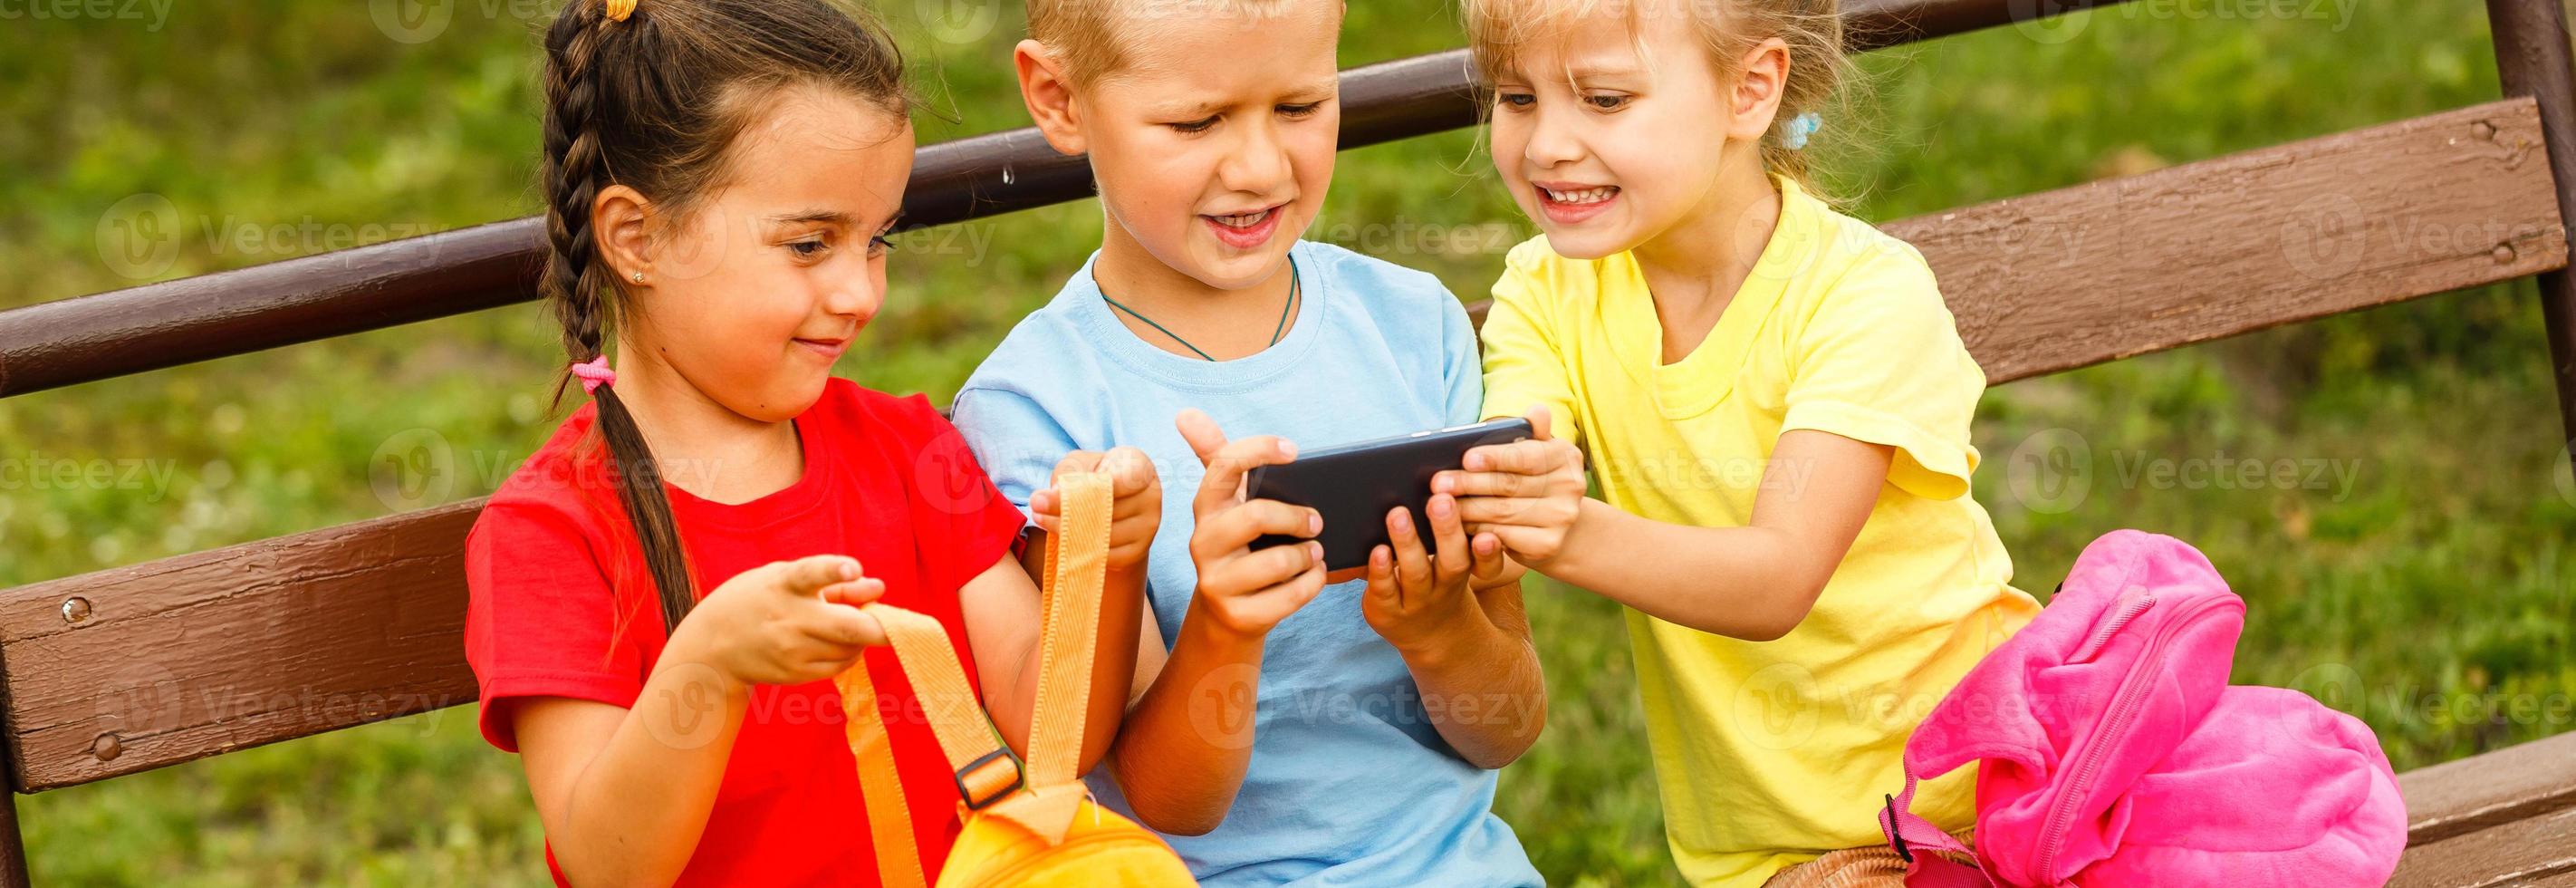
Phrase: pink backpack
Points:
(2112, 751)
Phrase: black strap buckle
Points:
(1896, 832)
(1019, 778)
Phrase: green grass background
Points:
(2433, 595)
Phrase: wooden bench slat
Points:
(2535, 851)
(302, 634)
(2518, 782)
(2105, 270)
(2208, 250)
(201, 654)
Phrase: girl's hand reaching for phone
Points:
(783, 623)
(1526, 493)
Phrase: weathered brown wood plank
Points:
(2515, 783)
(2535, 851)
(192, 656)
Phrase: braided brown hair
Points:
(654, 102)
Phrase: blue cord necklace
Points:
(1295, 287)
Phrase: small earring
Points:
(639, 277)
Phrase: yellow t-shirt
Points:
(1770, 753)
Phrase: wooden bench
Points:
(299, 635)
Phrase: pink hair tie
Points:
(594, 373)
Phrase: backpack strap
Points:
(889, 818)
(1077, 562)
(1041, 794)
(1919, 841)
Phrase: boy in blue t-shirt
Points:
(1287, 727)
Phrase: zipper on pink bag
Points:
(2124, 704)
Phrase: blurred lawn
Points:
(2432, 593)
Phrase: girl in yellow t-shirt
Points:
(1773, 398)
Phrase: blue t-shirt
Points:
(1350, 783)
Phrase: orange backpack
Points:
(1026, 824)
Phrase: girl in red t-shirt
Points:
(719, 177)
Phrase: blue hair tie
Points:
(1794, 135)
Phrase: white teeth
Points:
(1242, 220)
(1584, 196)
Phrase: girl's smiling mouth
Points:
(1567, 203)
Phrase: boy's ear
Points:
(1049, 96)
(1763, 80)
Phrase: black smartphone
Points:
(1356, 485)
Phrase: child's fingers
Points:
(1542, 426)
(1493, 511)
(1226, 466)
(1202, 433)
(1237, 527)
(1412, 566)
(1520, 539)
(1381, 578)
(1286, 597)
(845, 626)
(1448, 538)
(855, 593)
(1133, 527)
(1488, 552)
(1265, 569)
(1076, 462)
(808, 575)
(1463, 484)
(1531, 457)
(1044, 503)
(1130, 471)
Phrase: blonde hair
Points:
(1499, 31)
(1084, 36)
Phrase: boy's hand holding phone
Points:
(1136, 509)
(1526, 493)
(1418, 600)
(1245, 591)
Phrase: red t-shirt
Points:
(562, 606)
